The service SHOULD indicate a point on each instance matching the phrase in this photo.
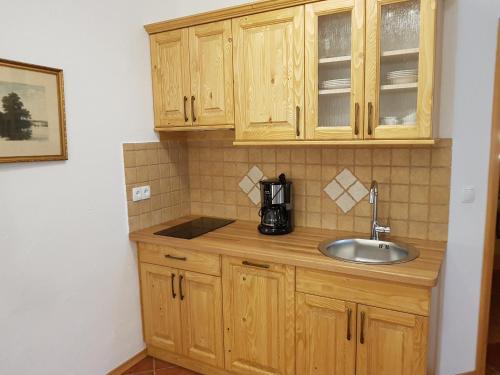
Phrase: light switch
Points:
(146, 192)
(136, 194)
(468, 194)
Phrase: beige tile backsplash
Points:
(202, 176)
(164, 167)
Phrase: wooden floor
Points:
(493, 355)
(152, 366)
(493, 359)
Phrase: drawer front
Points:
(389, 295)
(183, 259)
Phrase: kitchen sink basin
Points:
(366, 251)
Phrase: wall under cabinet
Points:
(206, 175)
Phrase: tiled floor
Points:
(152, 366)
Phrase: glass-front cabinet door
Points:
(399, 68)
(334, 65)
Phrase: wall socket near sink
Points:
(140, 193)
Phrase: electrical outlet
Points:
(137, 194)
(146, 192)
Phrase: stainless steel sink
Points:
(358, 250)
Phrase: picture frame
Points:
(32, 115)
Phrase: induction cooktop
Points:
(194, 228)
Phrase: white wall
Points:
(68, 278)
(470, 33)
(69, 301)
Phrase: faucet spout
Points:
(376, 228)
(373, 192)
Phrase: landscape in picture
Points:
(23, 112)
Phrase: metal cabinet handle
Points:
(297, 120)
(247, 263)
(175, 257)
(356, 119)
(362, 333)
(172, 284)
(349, 314)
(192, 109)
(180, 287)
(370, 118)
(185, 115)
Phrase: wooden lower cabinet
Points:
(161, 310)
(259, 317)
(201, 315)
(373, 341)
(390, 342)
(325, 336)
(252, 321)
(182, 313)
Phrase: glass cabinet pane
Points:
(334, 69)
(399, 54)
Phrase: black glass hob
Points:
(194, 228)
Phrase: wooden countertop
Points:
(299, 248)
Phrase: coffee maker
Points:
(276, 206)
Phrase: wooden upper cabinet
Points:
(211, 59)
(201, 314)
(342, 71)
(193, 76)
(170, 70)
(390, 342)
(269, 75)
(399, 68)
(334, 66)
(259, 317)
(161, 310)
(325, 336)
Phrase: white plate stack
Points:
(409, 119)
(398, 77)
(332, 84)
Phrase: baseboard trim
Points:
(129, 363)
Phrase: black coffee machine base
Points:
(264, 229)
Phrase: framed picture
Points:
(32, 119)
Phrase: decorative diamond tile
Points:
(346, 190)
(246, 184)
(254, 195)
(358, 191)
(250, 184)
(255, 174)
(345, 202)
(333, 189)
(346, 178)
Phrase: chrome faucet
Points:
(376, 227)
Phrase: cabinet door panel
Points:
(399, 68)
(161, 308)
(211, 59)
(259, 318)
(201, 311)
(390, 342)
(335, 34)
(170, 65)
(326, 336)
(269, 66)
